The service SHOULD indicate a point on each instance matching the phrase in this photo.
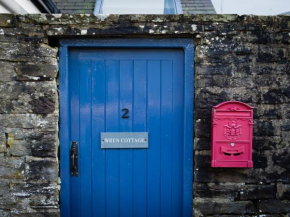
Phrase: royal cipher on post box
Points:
(232, 132)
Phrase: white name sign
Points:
(124, 140)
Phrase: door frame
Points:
(188, 46)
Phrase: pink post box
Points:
(232, 135)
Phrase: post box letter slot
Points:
(231, 151)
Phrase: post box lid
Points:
(233, 106)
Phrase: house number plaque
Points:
(124, 140)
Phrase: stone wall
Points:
(246, 60)
(242, 58)
(28, 121)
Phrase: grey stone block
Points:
(274, 206)
(41, 169)
(223, 206)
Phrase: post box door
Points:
(127, 90)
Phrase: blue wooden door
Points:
(128, 182)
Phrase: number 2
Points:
(126, 111)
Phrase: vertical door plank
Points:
(74, 127)
(98, 126)
(139, 125)
(126, 167)
(153, 152)
(112, 125)
(85, 144)
(185, 60)
(177, 140)
(166, 136)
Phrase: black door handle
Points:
(74, 159)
